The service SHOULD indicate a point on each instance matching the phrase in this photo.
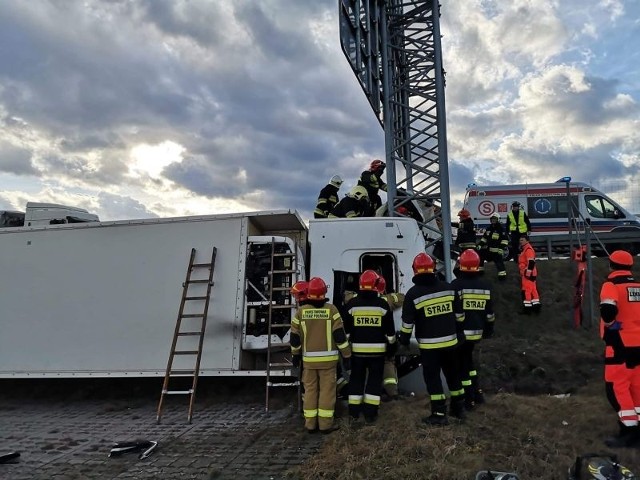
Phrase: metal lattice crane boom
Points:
(393, 47)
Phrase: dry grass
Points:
(523, 427)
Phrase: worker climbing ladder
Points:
(189, 333)
(283, 273)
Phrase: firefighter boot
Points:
(457, 408)
(628, 437)
(477, 393)
(438, 414)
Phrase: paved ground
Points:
(62, 437)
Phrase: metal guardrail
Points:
(557, 245)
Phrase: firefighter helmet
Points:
(494, 216)
(620, 260)
(336, 181)
(358, 192)
(464, 213)
(369, 280)
(599, 467)
(377, 166)
(317, 289)
(423, 263)
(469, 261)
(381, 285)
(299, 290)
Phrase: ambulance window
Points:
(611, 210)
(598, 207)
(384, 264)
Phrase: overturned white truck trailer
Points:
(101, 299)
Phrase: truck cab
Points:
(41, 214)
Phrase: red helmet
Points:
(621, 259)
(423, 263)
(382, 285)
(317, 289)
(464, 213)
(300, 290)
(469, 261)
(369, 280)
(377, 166)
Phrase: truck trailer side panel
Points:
(102, 299)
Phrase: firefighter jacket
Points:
(494, 238)
(395, 300)
(327, 199)
(372, 183)
(620, 300)
(520, 224)
(434, 308)
(350, 207)
(369, 322)
(475, 295)
(466, 237)
(527, 262)
(317, 333)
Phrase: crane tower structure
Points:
(393, 47)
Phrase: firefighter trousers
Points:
(319, 397)
(433, 361)
(390, 377)
(622, 386)
(468, 373)
(365, 385)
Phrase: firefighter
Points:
(493, 243)
(369, 322)
(479, 318)
(466, 237)
(354, 204)
(529, 275)
(435, 310)
(372, 180)
(390, 376)
(518, 224)
(299, 292)
(317, 335)
(328, 197)
(620, 330)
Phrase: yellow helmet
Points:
(358, 192)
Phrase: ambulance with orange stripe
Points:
(547, 205)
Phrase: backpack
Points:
(598, 466)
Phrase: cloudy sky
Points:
(150, 108)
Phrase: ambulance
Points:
(547, 205)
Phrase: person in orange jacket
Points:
(529, 275)
(620, 330)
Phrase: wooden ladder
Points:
(189, 331)
(282, 275)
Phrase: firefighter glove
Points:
(346, 365)
(404, 338)
(461, 338)
(295, 360)
(487, 331)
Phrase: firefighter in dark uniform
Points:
(328, 198)
(493, 243)
(354, 204)
(318, 337)
(620, 330)
(390, 378)
(466, 237)
(434, 308)
(372, 180)
(369, 323)
(475, 295)
(518, 224)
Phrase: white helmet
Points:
(494, 215)
(336, 181)
(358, 192)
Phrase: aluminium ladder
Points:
(189, 331)
(282, 275)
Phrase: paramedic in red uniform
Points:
(620, 330)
